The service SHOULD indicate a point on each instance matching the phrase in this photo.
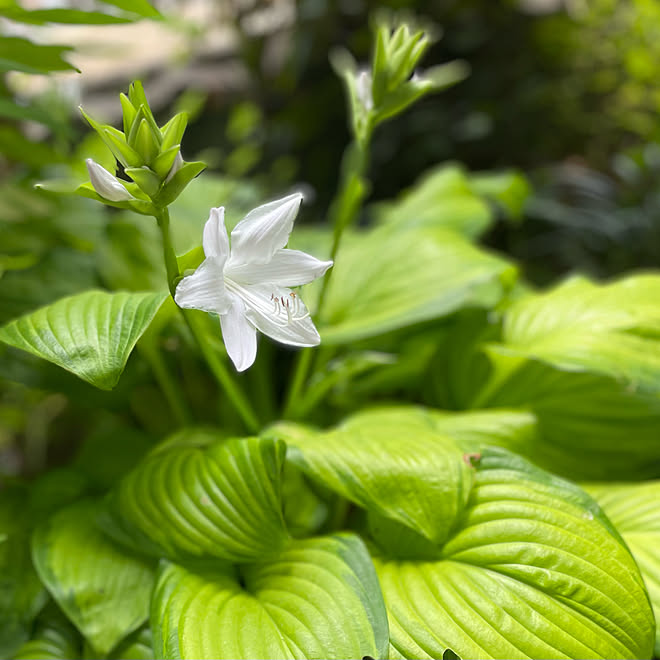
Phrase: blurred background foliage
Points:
(564, 91)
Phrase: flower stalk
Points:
(217, 366)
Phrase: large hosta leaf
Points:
(383, 280)
(102, 589)
(393, 468)
(634, 510)
(593, 421)
(588, 426)
(317, 599)
(528, 567)
(90, 334)
(612, 329)
(441, 198)
(222, 501)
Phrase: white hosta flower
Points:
(107, 185)
(248, 284)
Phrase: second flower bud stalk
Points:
(151, 158)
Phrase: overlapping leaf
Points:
(383, 280)
(222, 501)
(102, 589)
(613, 330)
(528, 567)
(633, 509)
(585, 360)
(395, 470)
(317, 599)
(90, 334)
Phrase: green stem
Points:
(343, 211)
(216, 365)
(168, 385)
(171, 264)
(222, 375)
(346, 205)
(300, 372)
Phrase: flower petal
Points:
(215, 240)
(105, 184)
(278, 313)
(286, 268)
(263, 231)
(239, 335)
(205, 288)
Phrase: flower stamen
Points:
(292, 306)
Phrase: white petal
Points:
(266, 307)
(176, 166)
(106, 184)
(264, 230)
(215, 240)
(205, 288)
(286, 268)
(239, 335)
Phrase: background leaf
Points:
(585, 370)
(19, 54)
(102, 589)
(613, 329)
(441, 198)
(222, 501)
(384, 280)
(54, 638)
(141, 7)
(90, 334)
(318, 599)
(21, 593)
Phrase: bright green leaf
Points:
(611, 329)
(634, 511)
(528, 567)
(90, 334)
(404, 472)
(441, 198)
(384, 280)
(534, 570)
(103, 590)
(222, 501)
(318, 599)
(475, 429)
(584, 359)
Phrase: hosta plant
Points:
(394, 486)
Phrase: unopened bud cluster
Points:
(150, 157)
(391, 83)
